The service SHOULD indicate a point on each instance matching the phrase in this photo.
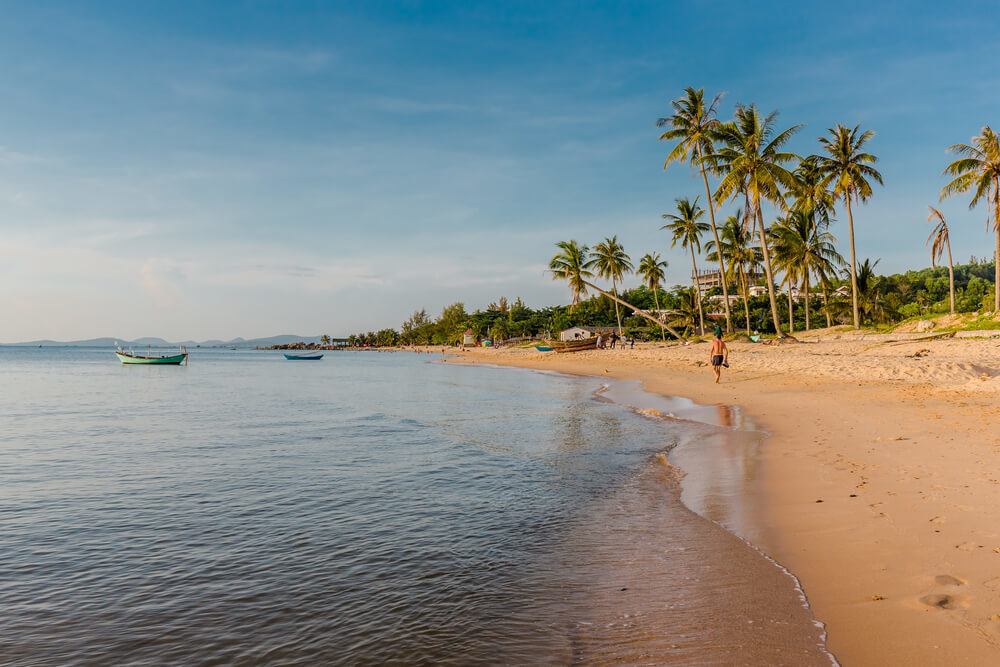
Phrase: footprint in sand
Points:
(938, 600)
(945, 600)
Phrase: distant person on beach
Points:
(719, 354)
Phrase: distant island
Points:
(283, 339)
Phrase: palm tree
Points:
(801, 249)
(612, 263)
(651, 269)
(693, 125)
(939, 241)
(685, 228)
(869, 294)
(849, 169)
(687, 311)
(742, 257)
(979, 169)
(572, 264)
(751, 159)
(810, 194)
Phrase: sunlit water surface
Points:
(365, 509)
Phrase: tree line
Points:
(883, 299)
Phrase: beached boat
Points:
(573, 345)
(132, 358)
(303, 357)
(544, 348)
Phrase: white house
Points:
(574, 333)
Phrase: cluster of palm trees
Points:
(751, 166)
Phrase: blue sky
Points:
(221, 169)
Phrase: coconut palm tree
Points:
(686, 228)
(652, 270)
(687, 311)
(742, 257)
(692, 125)
(810, 194)
(869, 292)
(979, 170)
(572, 264)
(612, 263)
(847, 167)
(751, 157)
(939, 241)
(801, 249)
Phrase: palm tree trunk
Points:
(996, 247)
(805, 291)
(638, 311)
(951, 278)
(826, 304)
(767, 270)
(618, 315)
(746, 297)
(718, 245)
(854, 264)
(791, 309)
(656, 300)
(697, 290)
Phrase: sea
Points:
(376, 508)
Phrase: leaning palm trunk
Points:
(767, 270)
(697, 290)
(638, 311)
(715, 234)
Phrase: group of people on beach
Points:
(612, 341)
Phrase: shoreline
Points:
(891, 535)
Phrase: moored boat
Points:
(574, 345)
(303, 357)
(171, 360)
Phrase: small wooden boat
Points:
(303, 357)
(131, 358)
(544, 348)
(574, 345)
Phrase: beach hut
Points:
(468, 339)
(576, 333)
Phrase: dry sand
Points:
(879, 485)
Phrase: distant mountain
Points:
(159, 342)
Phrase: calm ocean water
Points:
(366, 509)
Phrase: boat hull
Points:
(589, 345)
(573, 345)
(303, 357)
(175, 360)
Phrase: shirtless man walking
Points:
(719, 354)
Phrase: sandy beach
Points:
(879, 486)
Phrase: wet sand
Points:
(878, 486)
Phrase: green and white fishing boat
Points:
(169, 360)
